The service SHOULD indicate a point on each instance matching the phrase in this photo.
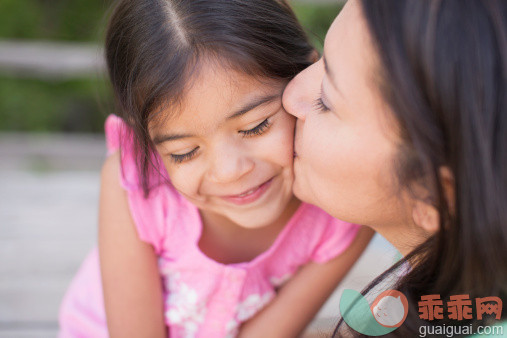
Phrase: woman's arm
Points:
(131, 281)
(300, 299)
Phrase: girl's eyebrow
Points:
(252, 105)
(257, 102)
(171, 137)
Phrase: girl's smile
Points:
(250, 195)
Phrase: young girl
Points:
(198, 226)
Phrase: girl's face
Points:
(345, 140)
(229, 147)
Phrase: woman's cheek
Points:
(318, 141)
(329, 152)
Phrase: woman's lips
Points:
(249, 196)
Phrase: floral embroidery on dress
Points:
(252, 304)
(279, 281)
(231, 328)
(246, 310)
(182, 303)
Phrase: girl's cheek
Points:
(281, 143)
(182, 178)
(288, 123)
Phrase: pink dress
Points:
(203, 298)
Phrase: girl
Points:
(198, 227)
(413, 95)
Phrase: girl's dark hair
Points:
(443, 70)
(154, 47)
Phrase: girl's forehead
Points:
(216, 96)
(212, 79)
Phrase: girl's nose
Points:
(229, 164)
(302, 91)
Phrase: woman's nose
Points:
(229, 164)
(301, 92)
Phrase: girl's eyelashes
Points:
(258, 130)
(184, 157)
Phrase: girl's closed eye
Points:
(257, 130)
(179, 158)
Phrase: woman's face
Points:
(345, 140)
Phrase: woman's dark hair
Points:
(154, 47)
(443, 71)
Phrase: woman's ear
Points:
(426, 216)
(448, 186)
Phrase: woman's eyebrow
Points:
(326, 66)
(252, 105)
(330, 74)
(329, 71)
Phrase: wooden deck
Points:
(48, 209)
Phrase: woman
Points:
(402, 126)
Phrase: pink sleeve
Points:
(119, 136)
(148, 215)
(335, 240)
(147, 212)
(112, 128)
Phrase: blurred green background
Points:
(80, 104)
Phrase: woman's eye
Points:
(258, 130)
(179, 158)
(320, 105)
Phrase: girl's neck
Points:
(227, 242)
(224, 225)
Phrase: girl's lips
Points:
(249, 196)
